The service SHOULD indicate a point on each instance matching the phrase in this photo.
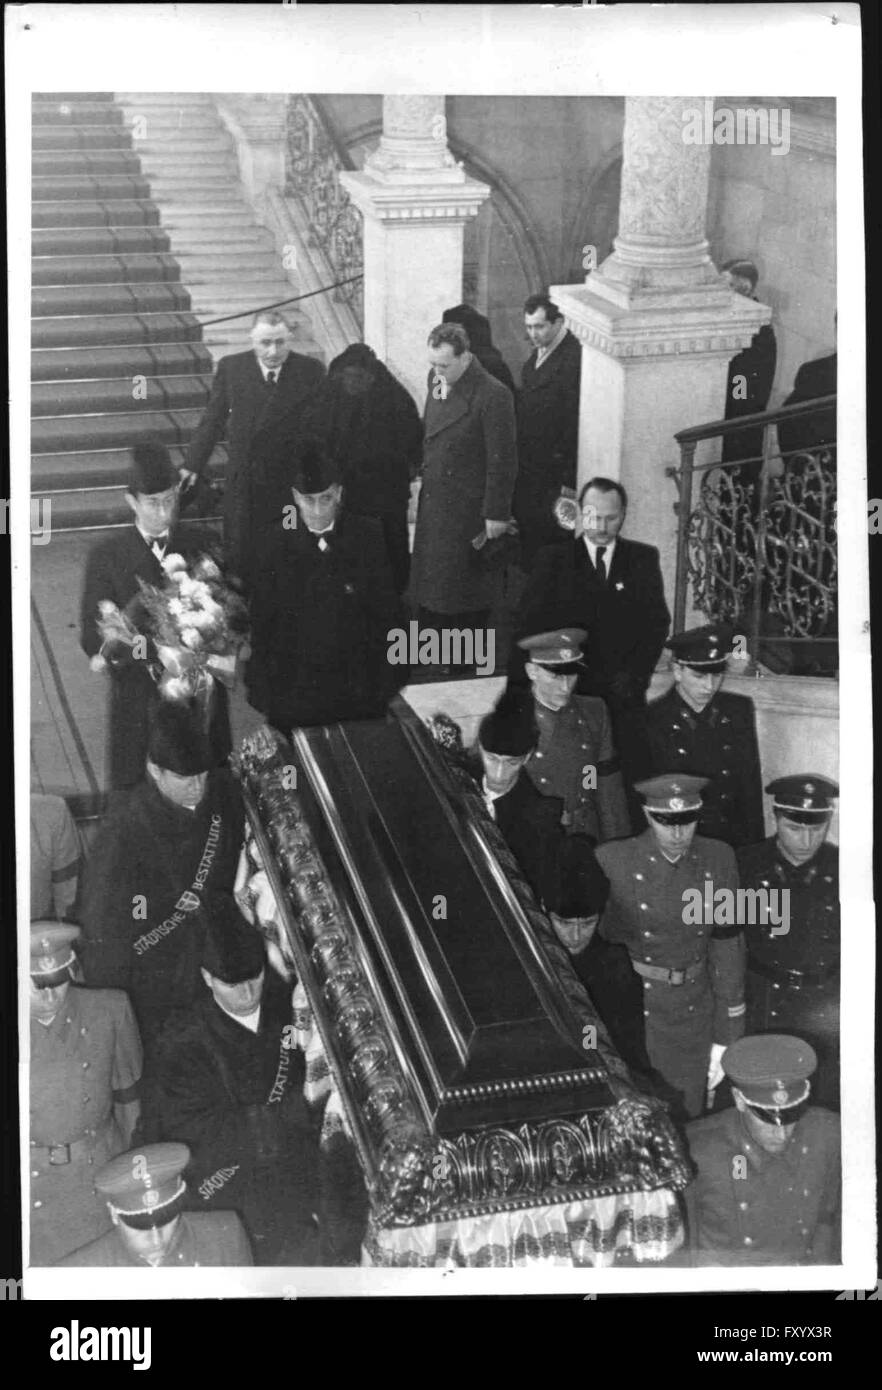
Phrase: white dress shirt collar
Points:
(250, 1021)
(543, 352)
(608, 557)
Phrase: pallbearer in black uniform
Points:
(145, 1195)
(323, 607)
(696, 727)
(529, 821)
(230, 1085)
(693, 976)
(576, 759)
(793, 976)
(113, 569)
(164, 848)
(768, 1189)
(85, 1074)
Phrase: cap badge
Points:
(566, 654)
(779, 1097)
(151, 1197)
(45, 946)
(677, 803)
(810, 786)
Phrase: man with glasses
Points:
(768, 1189)
(692, 974)
(793, 976)
(113, 570)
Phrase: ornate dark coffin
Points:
(465, 1052)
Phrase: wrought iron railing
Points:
(313, 161)
(756, 542)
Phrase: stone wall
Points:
(780, 211)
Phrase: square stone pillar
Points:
(415, 200)
(657, 323)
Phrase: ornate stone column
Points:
(657, 323)
(415, 199)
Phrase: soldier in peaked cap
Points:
(575, 758)
(768, 1188)
(323, 607)
(113, 569)
(145, 1194)
(793, 977)
(164, 846)
(697, 727)
(85, 1073)
(692, 976)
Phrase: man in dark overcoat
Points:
(164, 847)
(548, 423)
(257, 397)
(113, 569)
(323, 608)
(230, 1086)
(611, 587)
(793, 975)
(751, 376)
(697, 727)
(469, 469)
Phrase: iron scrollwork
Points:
(312, 168)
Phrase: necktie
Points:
(598, 563)
(159, 546)
(272, 378)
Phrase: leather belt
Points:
(62, 1154)
(796, 977)
(669, 977)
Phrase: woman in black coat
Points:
(372, 430)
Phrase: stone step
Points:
(194, 120)
(201, 266)
(180, 165)
(59, 365)
(164, 99)
(133, 267)
(109, 212)
(52, 473)
(53, 434)
(167, 142)
(213, 192)
(191, 240)
(117, 396)
(86, 137)
(220, 212)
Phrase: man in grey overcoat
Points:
(469, 468)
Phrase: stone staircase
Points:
(142, 233)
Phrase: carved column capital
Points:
(413, 147)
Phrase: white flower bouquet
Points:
(197, 622)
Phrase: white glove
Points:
(715, 1071)
(97, 663)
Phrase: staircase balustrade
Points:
(313, 160)
(756, 543)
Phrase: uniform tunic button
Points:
(647, 934)
(682, 750)
(748, 1240)
(639, 878)
(742, 1206)
(644, 907)
(35, 1172)
(539, 755)
(726, 772)
(85, 1066)
(38, 1204)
